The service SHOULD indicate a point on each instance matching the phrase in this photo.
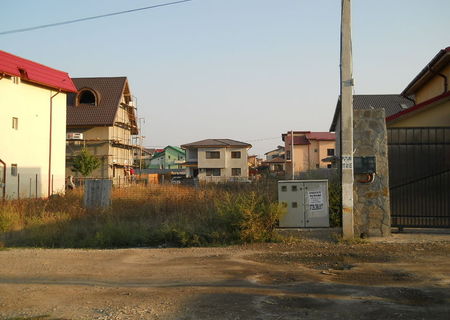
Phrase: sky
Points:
(246, 70)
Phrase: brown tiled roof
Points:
(275, 160)
(225, 143)
(109, 91)
(391, 103)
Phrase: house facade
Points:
(430, 92)
(275, 154)
(170, 157)
(101, 117)
(413, 159)
(308, 149)
(32, 126)
(217, 160)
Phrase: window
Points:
(213, 172)
(14, 169)
(15, 123)
(235, 154)
(329, 166)
(212, 155)
(315, 150)
(317, 166)
(294, 188)
(235, 172)
(87, 97)
(330, 152)
(294, 205)
(288, 155)
(283, 188)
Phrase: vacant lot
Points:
(292, 280)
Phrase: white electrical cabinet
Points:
(306, 202)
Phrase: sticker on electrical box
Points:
(315, 200)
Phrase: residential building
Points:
(279, 152)
(142, 157)
(417, 143)
(254, 161)
(275, 166)
(425, 102)
(32, 126)
(170, 157)
(217, 160)
(308, 148)
(430, 92)
(101, 117)
(391, 103)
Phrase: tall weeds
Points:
(145, 216)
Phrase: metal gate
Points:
(419, 176)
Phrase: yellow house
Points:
(308, 148)
(429, 91)
(101, 117)
(32, 128)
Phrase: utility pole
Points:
(140, 144)
(346, 86)
(292, 154)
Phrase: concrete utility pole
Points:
(292, 154)
(346, 121)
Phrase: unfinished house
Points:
(101, 117)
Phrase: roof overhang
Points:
(436, 64)
(419, 107)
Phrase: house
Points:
(279, 152)
(309, 148)
(168, 158)
(101, 118)
(275, 166)
(142, 157)
(417, 126)
(254, 161)
(425, 102)
(32, 125)
(217, 160)
(430, 92)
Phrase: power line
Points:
(90, 18)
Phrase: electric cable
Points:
(89, 18)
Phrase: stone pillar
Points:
(371, 200)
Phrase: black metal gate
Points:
(419, 176)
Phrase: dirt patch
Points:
(298, 279)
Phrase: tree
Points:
(85, 163)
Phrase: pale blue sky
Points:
(241, 69)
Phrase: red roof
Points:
(321, 136)
(34, 72)
(306, 136)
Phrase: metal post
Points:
(346, 86)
